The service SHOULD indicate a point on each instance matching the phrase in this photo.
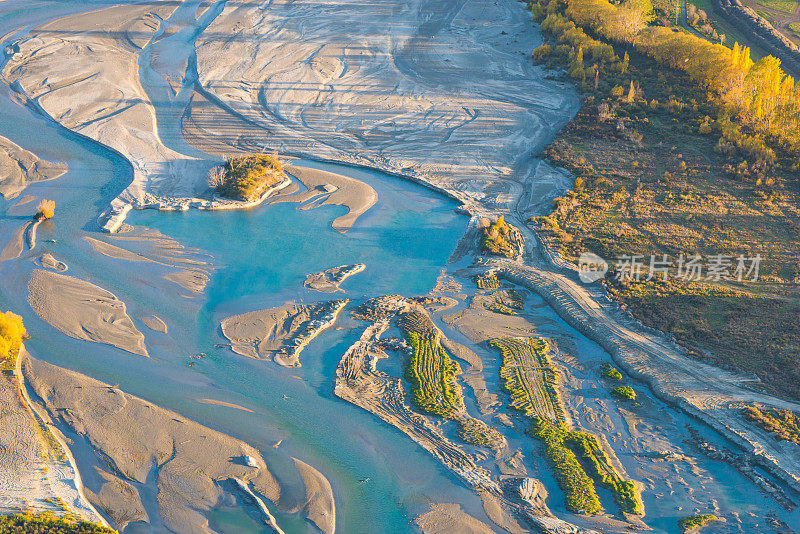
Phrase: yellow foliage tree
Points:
(46, 209)
(12, 334)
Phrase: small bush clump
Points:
(624, 392)
(611, 373)
(694, 522)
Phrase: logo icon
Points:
(591, 268)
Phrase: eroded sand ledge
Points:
(83, 310)
(328, 281)
(19, 168)
(281, 332)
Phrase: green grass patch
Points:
(507, 302)
(794, 27)
(478, 433)
(487, 281)
(624, 392)
(785, 6)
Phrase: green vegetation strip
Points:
(529, 377)
(578, 461)
(599, 467)
(432, 375)
(577, 458)
(434, 390)
(579, 491)
(47, 523)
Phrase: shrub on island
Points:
(247, 177)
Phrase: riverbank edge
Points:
(54, 432)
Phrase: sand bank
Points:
(449, 517)
(175, 465)
(188, 268)
(479, 323)
(326, 188)
(328, 281)
(155, 323)
(48, 261)
(391, 85)
(83, 310)
(223, 403)
(319, 506)
(30, 235)
(16, 244)
(260, 504)
(282, 332)
(18, 168)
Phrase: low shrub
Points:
(610, 372)
(624, 392)
(694, 522)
